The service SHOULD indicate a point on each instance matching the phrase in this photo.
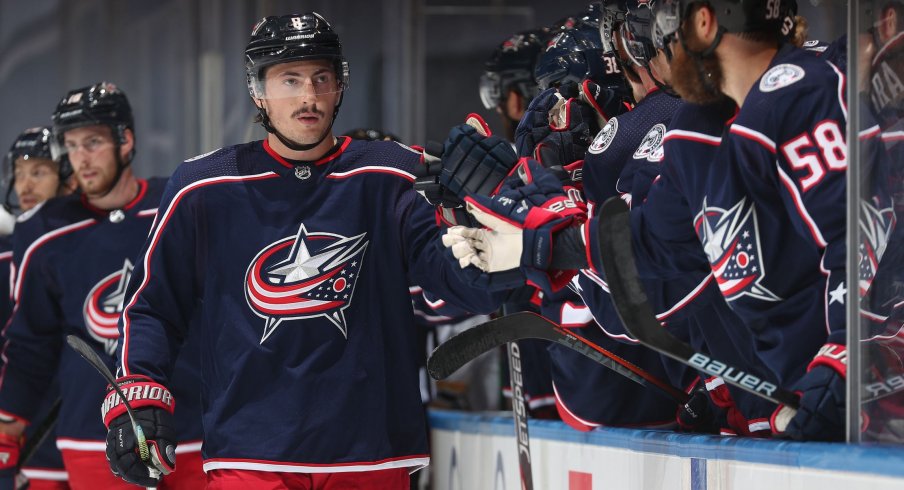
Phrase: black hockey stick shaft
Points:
(634, 308)
(40, 435)
(89, 355)
(452, 354)
(519, 414)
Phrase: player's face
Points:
(92, 152)
(300, 98)
(36, 180)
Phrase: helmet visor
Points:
(490, 90)
(92, 143)
(290, 80)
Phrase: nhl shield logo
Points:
(306, 275)
(104, 305)
(731, 241)
(302, 172)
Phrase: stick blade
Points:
(454, 353)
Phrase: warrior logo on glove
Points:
(104, 305)
(307, 275)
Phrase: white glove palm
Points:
(494, 250)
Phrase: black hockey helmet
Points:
(735, 16)
(293, 37)
(611, 17)
(637, 32)
(576, 55)
(102, 103)
(33, 143)
(511, 66)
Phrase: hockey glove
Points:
(528, 210)
(696, 415)
(153, 406)
(821, 415)
(534, 125)
(474, 164)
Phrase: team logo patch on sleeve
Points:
(604, 137)
(650, 144)
(104, 305)
(780, 76)
(306, 275)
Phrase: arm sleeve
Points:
(163, 291)
(430, 265)
(33, 337)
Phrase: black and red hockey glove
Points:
(821, 415)
(153, 406)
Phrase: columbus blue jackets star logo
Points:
(731, 240)
(304, 276)
(876, 225)
(104, 305)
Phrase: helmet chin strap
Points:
(293, 145)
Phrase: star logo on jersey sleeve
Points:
(876, 226)
(731, 241)
(307, 275)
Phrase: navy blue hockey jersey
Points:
(73, 262)
(299, 274)
(765, 196)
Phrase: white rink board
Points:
(473, 451)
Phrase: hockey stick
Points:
(519, 413)
(89, 355)
(455, 352)
(634, 308)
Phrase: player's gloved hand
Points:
(9, 460)
(522, 219)
(607, 102)
(473, 163)
(821, 415)
(697, 415)
(534, 125)
(459, 249)
(153, 406)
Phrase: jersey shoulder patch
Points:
(781, 76)
(604, 137)
(651, 144)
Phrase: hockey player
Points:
(507, 85)
(35, 178)
(291, 254)
(73, 259)
(731, 181)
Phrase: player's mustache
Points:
(307, 110)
